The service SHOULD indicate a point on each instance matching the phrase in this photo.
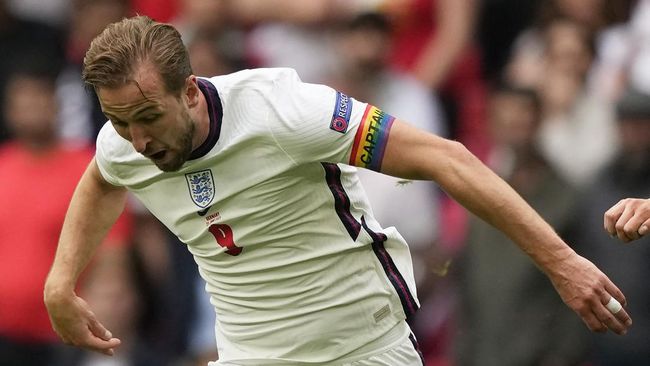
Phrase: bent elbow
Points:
(457, 160)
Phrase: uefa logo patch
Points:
(339, 124)
(342, 112)
(201, 186)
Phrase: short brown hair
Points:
(113, 55)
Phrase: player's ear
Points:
(192, 91)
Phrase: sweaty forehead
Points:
(145, 88)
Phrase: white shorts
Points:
(404, 353)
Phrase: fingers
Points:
(97, 329)
(106, 347)
(617, 294)
(76, 324)
(622, 316)
(101, 333)
(588, 292)
(612, 314)
(611, 217)
(609, 311)
(622, 222)
(645, 228)
(629, 219)
(592, 322)
(599, 318)
(94, 337)
(94, 343)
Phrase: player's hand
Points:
(586, 290)
(629, 219)
(76, 324)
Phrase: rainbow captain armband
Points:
(371, 138)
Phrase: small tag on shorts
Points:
(381, 313)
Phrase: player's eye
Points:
(149, 118)
(119, 123)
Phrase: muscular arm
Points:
(473, 185)
(94, 208)
(413, 154)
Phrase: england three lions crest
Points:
(201, 186)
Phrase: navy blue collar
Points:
(215, 112)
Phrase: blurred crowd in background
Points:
(554, 95)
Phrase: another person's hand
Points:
(76, 324)
(629, 219)
(588, 291)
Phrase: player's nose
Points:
(139, 138)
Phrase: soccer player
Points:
(255, 172)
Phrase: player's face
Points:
(158, 124)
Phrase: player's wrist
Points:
(555, 263)
(55, 290)
(562, 276)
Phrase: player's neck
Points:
(202, 120)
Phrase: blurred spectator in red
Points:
(159, 10)
(495, 278)
(81, 116)
(434, 40)
(628, 175)
(25, 44)
(38, 174)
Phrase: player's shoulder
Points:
(116, 159)
(259, 78)
(112, 147)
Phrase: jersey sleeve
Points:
(313, 122)
(105, 152)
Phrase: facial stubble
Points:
(185, 147)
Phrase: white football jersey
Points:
(270, 207)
